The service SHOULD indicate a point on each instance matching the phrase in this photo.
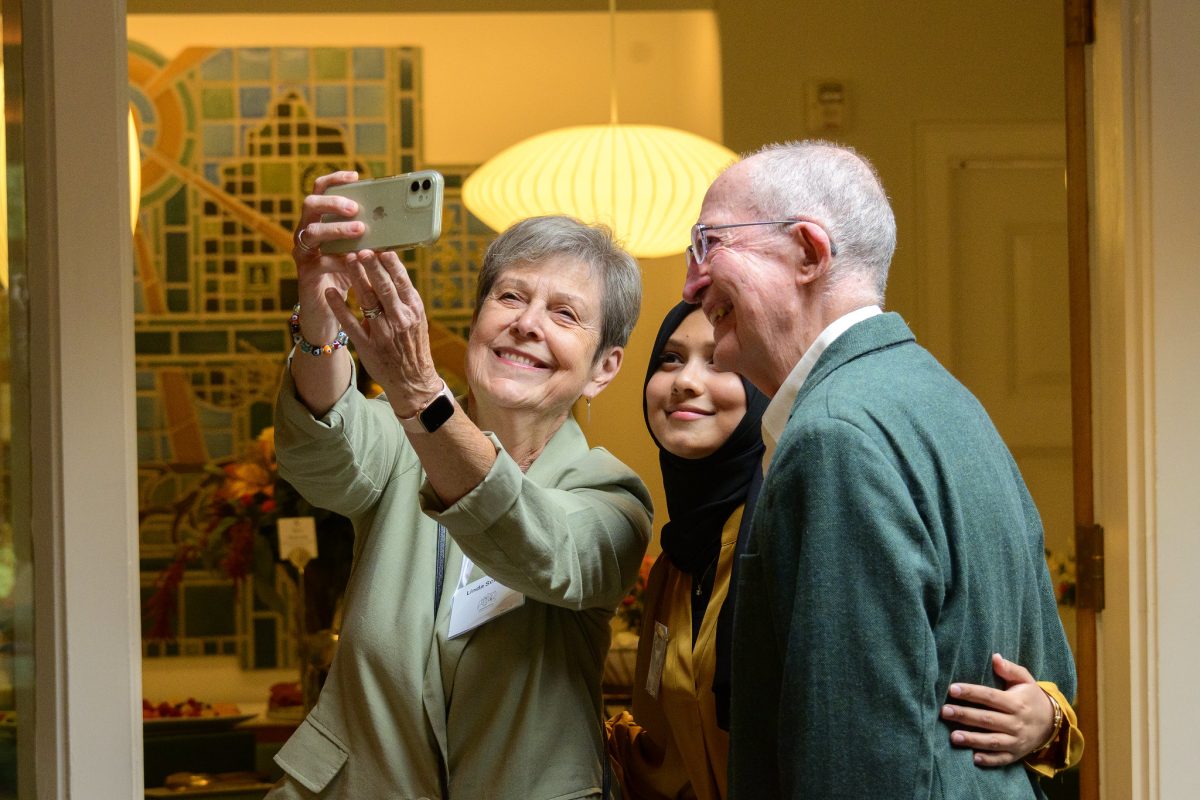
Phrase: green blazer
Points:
(511, 709)
(894, 549)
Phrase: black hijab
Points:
(701, 494)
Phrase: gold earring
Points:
(588, 400)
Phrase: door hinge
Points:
(1080, 21)
(1089, 567)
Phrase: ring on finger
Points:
(371, 313)
(308, 248)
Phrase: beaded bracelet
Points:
(306, 346)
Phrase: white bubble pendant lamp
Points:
(646, 182)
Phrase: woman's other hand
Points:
(1009, 725)
(393, 338)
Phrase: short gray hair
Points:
(539, 238)
(841, 189)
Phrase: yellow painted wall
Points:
(904, 63)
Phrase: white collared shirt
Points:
(780, 408)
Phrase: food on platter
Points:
(187, 708)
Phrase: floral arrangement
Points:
(633, 604)
(1062, 576)
(217, 525)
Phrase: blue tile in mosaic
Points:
(292, 63)
(253, 63)
(368, 63)
(369, 101)
(253, 101)
(218, 66)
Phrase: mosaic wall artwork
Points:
(231, 140)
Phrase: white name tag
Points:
(480, 601)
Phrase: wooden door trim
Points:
(1078, 34)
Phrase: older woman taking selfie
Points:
(491, 543)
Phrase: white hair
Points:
(840, 189)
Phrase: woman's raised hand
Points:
(318, 272)
(393, 337)
(1013, 723)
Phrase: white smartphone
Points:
(400, 211)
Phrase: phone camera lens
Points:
(425, 184)
(416, 186)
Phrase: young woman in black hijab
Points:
(707, 426)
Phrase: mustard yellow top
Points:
(1067, 748)
(675, 749)
(670, 747)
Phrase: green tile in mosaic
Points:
(408, 133)
(406, 72)
(254, 101)
(219, 443)
(262, 341)
(378, 169)
(407, 163)
(291, 64)
(198, 342)
(149, 412)
(331, 101)
(277, 178)
(145, 380)
(262, 415)
(178, 300)
(178, 257)
(477, 226)
(218, 139)
(368, 63)
(218, 66)
(331, 63)
(253, 63)
(145, 447)
(264, 644)
(156, 343)
(175, 210)
(369, 100)
(216, 102)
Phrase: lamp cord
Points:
(612, 61)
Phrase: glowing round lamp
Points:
(646, 182)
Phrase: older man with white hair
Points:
(895, 548)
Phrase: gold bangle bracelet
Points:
(1055, 727)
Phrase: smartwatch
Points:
(432, 415)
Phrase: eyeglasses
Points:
(698, 250)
